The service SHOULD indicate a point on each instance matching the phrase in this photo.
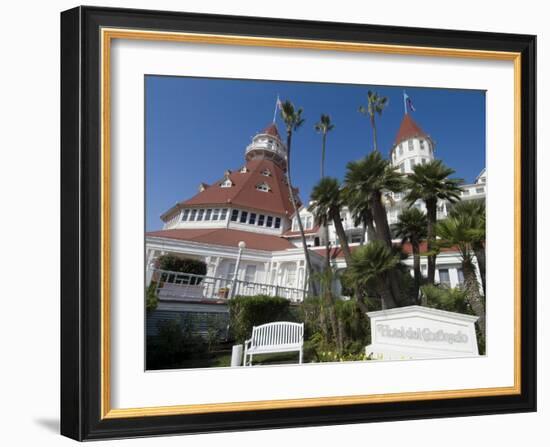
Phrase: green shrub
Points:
(174, 346)
(179, 264)
(151, 297)
(447, 298)
(248, 311)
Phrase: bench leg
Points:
(250, 359)
(301, 356)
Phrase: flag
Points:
(279, 103)
(408, 103)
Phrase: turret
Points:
(412, 146)
(267, 144)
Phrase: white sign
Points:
(417, 332)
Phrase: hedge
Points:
(248, 311)
(175, 263)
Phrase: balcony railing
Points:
(187, 286)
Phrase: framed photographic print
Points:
(274, 223)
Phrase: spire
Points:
(409, 129)
(271, 130)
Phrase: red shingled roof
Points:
(244, 193)
(272, 130)
(336, 252)
(290, 233)
(408, 129)
(226, 237)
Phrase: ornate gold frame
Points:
(107, 35)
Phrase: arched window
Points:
(266, 173)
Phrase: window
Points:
(444, 277)
(230, 271)
(309, 222)
(266, 173)
(185, 215)
(269, 222)
(250, 273)
(243, 170)
(460, 274)
(252, 219)
(411, 147)
(466, 192)
(227, 183)
(291, 275)
(424, 161)
(234, 215)
(244, 215)
(263, 187)
(208, 214)
(193, 215)
(400, 150)
(215, 213)
(201, 214)
(402, 167)
(422, 145)
(480, 190)
(277, 222)
(413, 163)
(261, 219)
(223, 215)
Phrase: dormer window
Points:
(243, 170)
(227, 183)
(266, 173)
(202, 187)
(263, 187)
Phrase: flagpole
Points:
(405, 102)
(275, 111)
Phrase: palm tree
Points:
(430, 182)
(358, 205)
(411, 227)
(324, 126)
(375, 105)
(475, 209)
(327, 201)
(371, 264)
(293, 120)
(370, 178)
(456, 231)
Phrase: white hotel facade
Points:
(242, 226)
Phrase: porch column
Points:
(150, 266)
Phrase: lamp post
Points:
(242, 246)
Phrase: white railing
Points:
(187, 286)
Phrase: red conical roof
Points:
(272, 130)
(408, 129)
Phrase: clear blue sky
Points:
(197, 128)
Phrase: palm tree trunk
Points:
(431, 214)
(323, 155)
(383, 233)
(385, 292)
(298, 218)
(335, 215)
(327, 247)
(380, 218)
(417, 272)
(479, 251)
(473, 294)
(375, 140)
(369, 219)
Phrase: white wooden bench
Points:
(271, 338)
